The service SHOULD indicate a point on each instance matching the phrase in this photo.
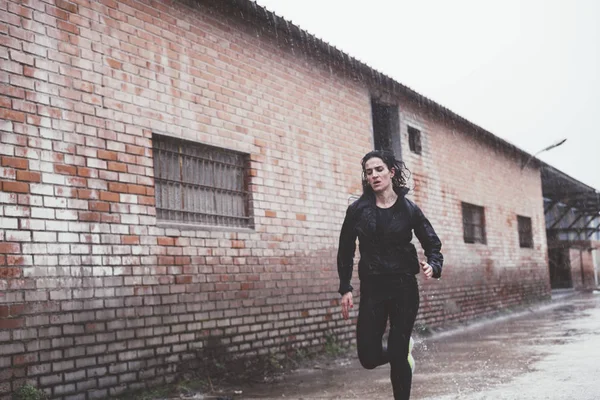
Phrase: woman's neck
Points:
(386, 199)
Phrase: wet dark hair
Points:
(401, 175)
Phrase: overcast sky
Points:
(527, 71)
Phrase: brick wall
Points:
(455, 168)
(96, 297)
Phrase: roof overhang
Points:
(556, 185)
(561, 188)
(582, 201)
(292, 36)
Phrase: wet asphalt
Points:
(549, 351)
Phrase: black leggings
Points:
(399, 303)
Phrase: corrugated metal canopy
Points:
(572, 207)
(560, 187)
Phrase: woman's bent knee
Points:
(368, 361)
(368, 364)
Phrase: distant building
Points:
(572, 212)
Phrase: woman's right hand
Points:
(347, 304)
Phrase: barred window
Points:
(200, 184)
(525, 231)
(473, 223)
(414, 140)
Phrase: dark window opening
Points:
(473, 223)
(386, 128)
(414, 140)
(525, 231)
(200, 184)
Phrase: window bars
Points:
(200, 184)
(473, 223)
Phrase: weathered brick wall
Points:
(97, 298)
(454, 168)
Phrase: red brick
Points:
(117, 187)
(109, 196)
(21, 359)
(166, 241)
(183, 279)
(99, 206)
(85, 172)
(19, 163)
(87, 194)
(11, 323)
(146, 200)
(114, 63)
(117, 166)
(111, 218)
(17, 309)
(5, 102)
(136, 189)
(12, 115)
(10, 272)
(29, 176)
(17, 187)
(68, 27)
(8, 248)
(301, 217)
(65, 5)
(58, 13)
(270, 214)
(111, 4)
(136, 150)
(65, 169)
(12, 91)
(183, 260)
(90, 216)
(107, 155)
(15, 260)
(130, 239)
(166, 260)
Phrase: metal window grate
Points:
(200, 184)
(473, 223)
(414, 140)
(525, 231)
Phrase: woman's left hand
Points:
(427, 269)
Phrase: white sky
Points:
(527, 71)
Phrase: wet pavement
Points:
(550, 351)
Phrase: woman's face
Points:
(378, 174)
